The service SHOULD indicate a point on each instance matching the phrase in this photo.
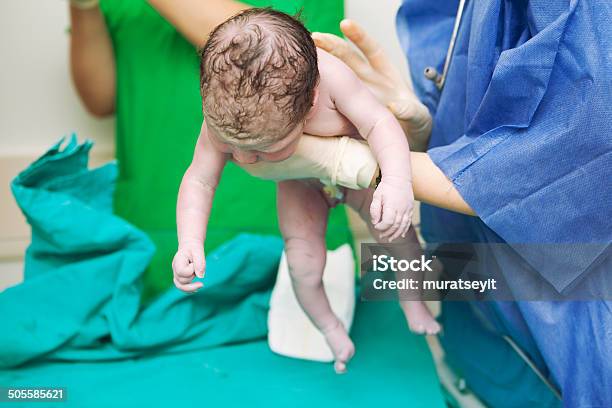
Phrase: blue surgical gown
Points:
(523, 128)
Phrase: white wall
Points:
(37, 101)
(38, 104)
(378, 19)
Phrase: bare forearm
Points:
(197, 190)
(195, 19)
(193, 209)
(92, 61)
(431, 185)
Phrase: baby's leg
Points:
(418, 316)
(303, 213)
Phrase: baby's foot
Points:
(341, 345)
(419, 318)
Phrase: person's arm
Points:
(193, 211)
(195, 19)
(431, 186)
(92, 61)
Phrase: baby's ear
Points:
(315, 99)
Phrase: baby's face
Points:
(276, 151)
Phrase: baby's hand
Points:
(187, 264)
(391, 208)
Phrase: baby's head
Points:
(258, 81)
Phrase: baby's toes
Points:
(343, 357)
(416, 328)
(348, 352)
(340, 367)
(341, 346)
(432, 327)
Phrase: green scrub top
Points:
(159, 116)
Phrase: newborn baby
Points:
(264, 84)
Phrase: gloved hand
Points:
(383, 79)
(84, 4)
(338, 161)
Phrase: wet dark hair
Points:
(258, 75)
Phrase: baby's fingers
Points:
(184, 276)
(199, 263)
(402, 229)
(187, 287)
(183, 268)
(390, 233)
(406, 223)
(181, 261)
(185, 271)
(388, 219)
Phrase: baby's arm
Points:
(392, 204)
(192, 212)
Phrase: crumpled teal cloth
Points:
(81, 296)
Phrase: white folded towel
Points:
(290, 332)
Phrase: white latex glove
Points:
(339, 161)
(374, 68)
